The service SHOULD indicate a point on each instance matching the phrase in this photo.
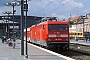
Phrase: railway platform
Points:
(83, 42)
(34, 53)
(80, 46)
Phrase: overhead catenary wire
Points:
(44, 7)
(65, 11)
(74, 9)
(57, 8)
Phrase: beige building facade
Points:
(78, 24)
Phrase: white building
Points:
(80, 23)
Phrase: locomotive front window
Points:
(62, 27)
(57, 27)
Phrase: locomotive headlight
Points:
(64, 35)
(49, 39)
(52, 35)
(66, 39)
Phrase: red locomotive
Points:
(49, 33)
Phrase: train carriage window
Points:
(86, 33)
(78, 33)
(81, 33)
(75, 33)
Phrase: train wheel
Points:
(60, 48)
(28, 41)
(66, 47)
(48, 47)
(41, 46)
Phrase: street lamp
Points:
(8, 21)
(22, 25)
(23, 6)
(13, 4)
(26, 10)
(22, 28)
(83, 17)
(22, 21)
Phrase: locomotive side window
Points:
(42, 27)
(57, 27)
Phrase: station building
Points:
(6, 24)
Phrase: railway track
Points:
(74, 54)
(85, 49)
(77, 52)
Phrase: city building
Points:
(79, 26)
(80, 22)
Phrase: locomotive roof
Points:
(49, 20)
(53, 22)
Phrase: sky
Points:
(62, 9)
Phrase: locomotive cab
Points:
(58, 35)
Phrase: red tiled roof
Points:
(75, 19)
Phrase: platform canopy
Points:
(2, 21)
